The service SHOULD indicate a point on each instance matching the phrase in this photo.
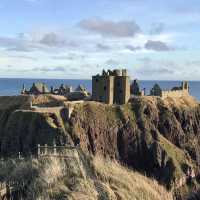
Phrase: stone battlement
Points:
(115, 72)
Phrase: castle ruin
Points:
(112, 87)
(135, 89)
(176, 92)
(36, 89)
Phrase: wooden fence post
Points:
(66, 148)
(54, 149)
(39, 150)
(45, 149)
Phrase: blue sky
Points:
(153, 39)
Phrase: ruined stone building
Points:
(36, 89)
(181, 91)
(135, 89)
(80, 93)
(111, 87)
(156, 90)
(62, 90)
(81, 88)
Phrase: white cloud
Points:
(108, 28)
(116, 43)
(43, 42)
(157, 46)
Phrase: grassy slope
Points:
(76, 179)
(178, 156)
(126, 184)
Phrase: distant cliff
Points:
(158, 137)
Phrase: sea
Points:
(13, 86)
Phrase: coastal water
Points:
(9, 87)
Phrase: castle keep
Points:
(112, 87)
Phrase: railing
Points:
(54, 150)
(9, 187)
(45, 151)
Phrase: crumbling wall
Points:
(174, 93)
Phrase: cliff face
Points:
(160, 138)
(149, 134)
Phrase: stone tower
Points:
(135, 88)
(185, 85)
(156, 90)
(111, 87)
(23, 91)
(103, 88)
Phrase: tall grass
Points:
(127, 184)
(72, 179)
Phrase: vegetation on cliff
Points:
(144, 134)
(150, 135)
(78, 178)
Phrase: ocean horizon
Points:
(13, 86)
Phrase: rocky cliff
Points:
(149, 134)
(157, 137)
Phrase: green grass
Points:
(178, 156)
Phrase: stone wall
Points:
(121, 89)
(174, 93)
(103, 89)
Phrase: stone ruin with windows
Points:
(111, 87)
(80, 93)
